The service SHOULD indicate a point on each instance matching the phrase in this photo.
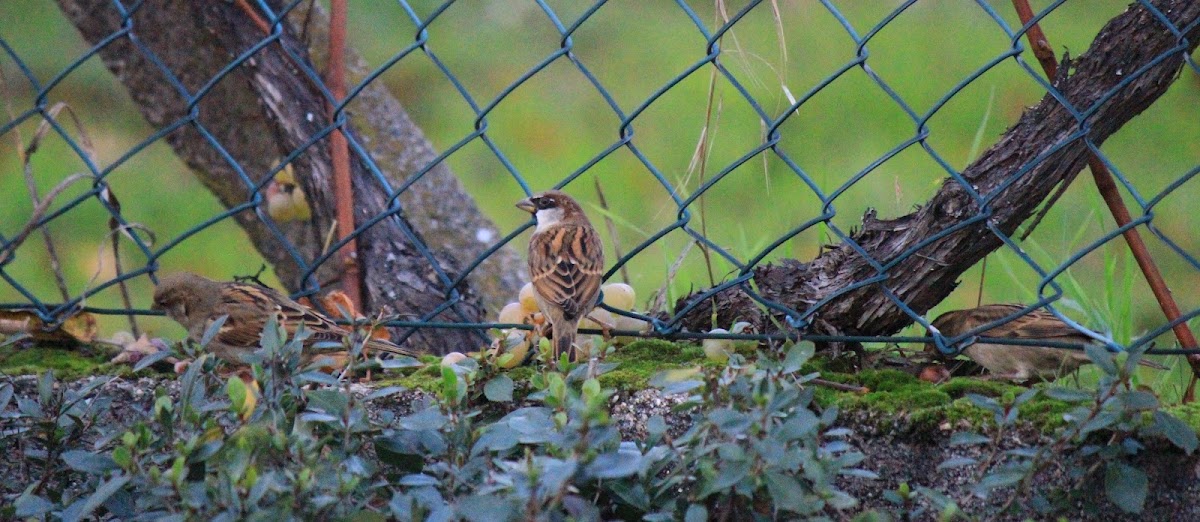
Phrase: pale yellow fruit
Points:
(619, 295)
(514, 343)
(512, 313)
(453, 357)
(718, 349)
(528, 302)
(285, 199)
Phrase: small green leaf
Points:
(1176, 431)
(384, 392)
(1126, 486)
(6, 395)
(499, 389)
(1025, 396)
(957, 462)
(122, 456)
(799, 354)
(1103, 359)
(29, 505)
(46, 387)
(1138, 400)
(1068, 394)
(418, 479)
(88, 462)
(85, 507)
(696, 513)
(998, 479)
(148, 360)
(212, 330)
(428, 419)
(967, 438)
(236, 389)
(622, 463)
(656, 426)
(986, 403)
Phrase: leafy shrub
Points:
(1101, 434)
(266, 446)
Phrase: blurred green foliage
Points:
(556, 122)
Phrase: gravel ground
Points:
(897, 455)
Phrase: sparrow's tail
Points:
(382, 346)
(564, 337)
(1151, 364)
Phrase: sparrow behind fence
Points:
(195, 302)
(1018, 362)
(566, 264)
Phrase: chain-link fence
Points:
(766, 178)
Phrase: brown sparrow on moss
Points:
(566, 264)
(1018, 362)
(195, 302)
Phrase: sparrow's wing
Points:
(1038, 324)
(249, 306)
(567, 263)
(380, 345)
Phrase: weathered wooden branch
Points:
(1128, 43)
(266, 108)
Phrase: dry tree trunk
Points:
(266, 108)
(1128, 43)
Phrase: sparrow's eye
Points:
(544, 203)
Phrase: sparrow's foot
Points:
(605, 328)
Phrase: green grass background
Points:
(556, 122)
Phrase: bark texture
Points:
(267, 107)
(922, 278)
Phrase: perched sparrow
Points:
(1018, 362)
(195, 302)
(566, 263)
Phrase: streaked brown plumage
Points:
(1018, 362)
(195, 302)
(566, 264)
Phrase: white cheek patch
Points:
(547, 217)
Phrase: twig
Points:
(612, 228)
(982, 277)
(1112, 197)
(659, 302)
(115, 231)
(840, 386)
(38, 211)
(31, 185)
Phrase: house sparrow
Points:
(566, 264)
(1018, 362)
(195, 302)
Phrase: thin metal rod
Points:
(340, 153)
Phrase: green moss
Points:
(897, 400)
(66, 363)
(961, 386)
(641, 360)
(427, 378)
(657, 351)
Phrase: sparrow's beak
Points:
(527, 205)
